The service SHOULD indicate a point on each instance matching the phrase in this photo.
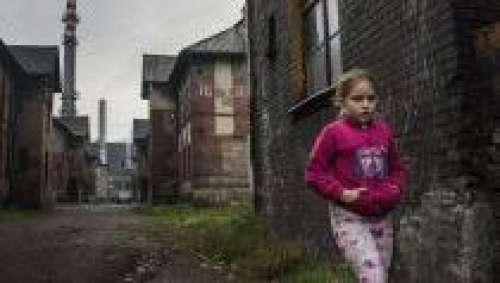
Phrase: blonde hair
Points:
(346, 81)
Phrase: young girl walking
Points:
(355, 165)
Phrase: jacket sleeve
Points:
(390, 192)
(318, 171)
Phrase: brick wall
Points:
(6, 92)
(215, 163)
(29, 159)
(440, 99)
(59, 161)
(163, 144)
(280, 145)
(31, 187)
(163, 155)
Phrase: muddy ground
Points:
(105, 243)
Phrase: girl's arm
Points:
(389, 194)
(318, 171)
(397, 172)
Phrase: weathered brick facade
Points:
(437, 63)
(10, 72)
(59, 158)
(210, 80)
(72, 173)
(31, 178)
(163, 141)
(140, 158)
(163, 154)
(33, 110)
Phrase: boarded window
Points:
(224, 125)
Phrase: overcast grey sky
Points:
(113, 35)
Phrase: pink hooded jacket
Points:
(345, 155)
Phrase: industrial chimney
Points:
(70, 18)
(102, 131)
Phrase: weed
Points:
(236, 237)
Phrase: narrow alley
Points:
(326, 141)
(98, 244)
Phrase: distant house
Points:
(120, 173)
(114, 178)
(140, 157)
(162, 112)
(32, 124)
(209, 81)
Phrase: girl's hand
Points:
(350, 195)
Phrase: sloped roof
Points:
(141, 129)
(6, 54)
(231, 40)
(39, 61)
(78, 126)
(157, 68)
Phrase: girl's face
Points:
(361, 101)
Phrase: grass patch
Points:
(320, 272)
(8, 214)
(234, 236)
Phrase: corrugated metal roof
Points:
(157, 68)
(231, 40)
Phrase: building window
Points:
(322, 52)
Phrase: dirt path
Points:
(102, 244)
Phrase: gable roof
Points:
(231, 40)
(39, 61)
(6, 57)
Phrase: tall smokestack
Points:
(102, 131)
(70, 18)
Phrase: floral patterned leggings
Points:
(365, 242)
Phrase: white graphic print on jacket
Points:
(371, 162)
